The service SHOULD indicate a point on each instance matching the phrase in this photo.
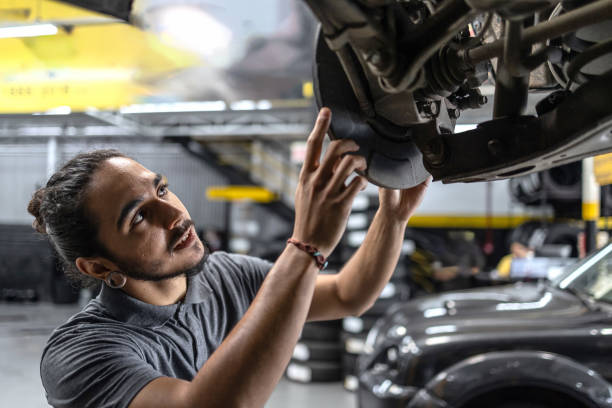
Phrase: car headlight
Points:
(377, 336)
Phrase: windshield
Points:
(592, 276)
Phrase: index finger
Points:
(314, 144)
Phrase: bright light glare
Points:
(464, 128)
(243, 105)
(526, 305)
(193, 29)
(434, 312)
(578, 272)
(60, 110)
(448, 328)
(34, 30)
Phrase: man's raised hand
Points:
(322, 200)
(401, 204)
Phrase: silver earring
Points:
(111, 284)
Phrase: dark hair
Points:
(59, 211)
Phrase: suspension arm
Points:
(590, 14)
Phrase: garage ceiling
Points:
(93, 60)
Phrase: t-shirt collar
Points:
(130, 310)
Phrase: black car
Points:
(523, 345)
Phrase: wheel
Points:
(530, 397)
(393, 158)
(523, 404)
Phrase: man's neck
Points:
(165, 292)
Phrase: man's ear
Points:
(95, 267)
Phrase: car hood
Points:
(509, 308)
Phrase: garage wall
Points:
(471, 199)
(23, 169)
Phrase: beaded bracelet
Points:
(309, 249)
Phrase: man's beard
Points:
(152, 272)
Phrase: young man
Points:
(173, 327)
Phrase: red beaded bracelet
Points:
(314, 252)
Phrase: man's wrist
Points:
(318, 257)
(300, 259)
(389, 220)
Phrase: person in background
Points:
(443, 262)
(517, 250)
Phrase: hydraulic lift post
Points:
(590, 204)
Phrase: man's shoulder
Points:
(92, 320)
(93, 312)
(94, 345)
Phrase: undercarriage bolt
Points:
(428, 108)
(380, 60)
(551, 102)
(496, 147)
(374, 58)
(434, 151)
(454, 113)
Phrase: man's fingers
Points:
(334, 152)
(314, 144)
(347, 165)
(427, 182)
(355, 186)
(417, 190)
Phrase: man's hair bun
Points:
(59, 212)
(34, 209)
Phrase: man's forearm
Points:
(364, 276)
(244, 370)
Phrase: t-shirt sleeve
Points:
(253, 272)
(86, 369)
(236, 277)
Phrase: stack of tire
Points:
(542, 236)
(317, 357)
(28, 270)
(560, 187)
(355, 329)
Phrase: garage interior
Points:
(220, 97)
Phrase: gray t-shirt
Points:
(104, 355)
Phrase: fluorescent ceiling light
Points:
(251, 105)
(33, 30)
(60, 110)
(207, 106)
(243, 105)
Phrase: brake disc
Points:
(393, 159)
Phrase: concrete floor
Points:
(24, 329)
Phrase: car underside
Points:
(398, 75)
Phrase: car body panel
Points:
(517, 334)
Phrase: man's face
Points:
(145, 228)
